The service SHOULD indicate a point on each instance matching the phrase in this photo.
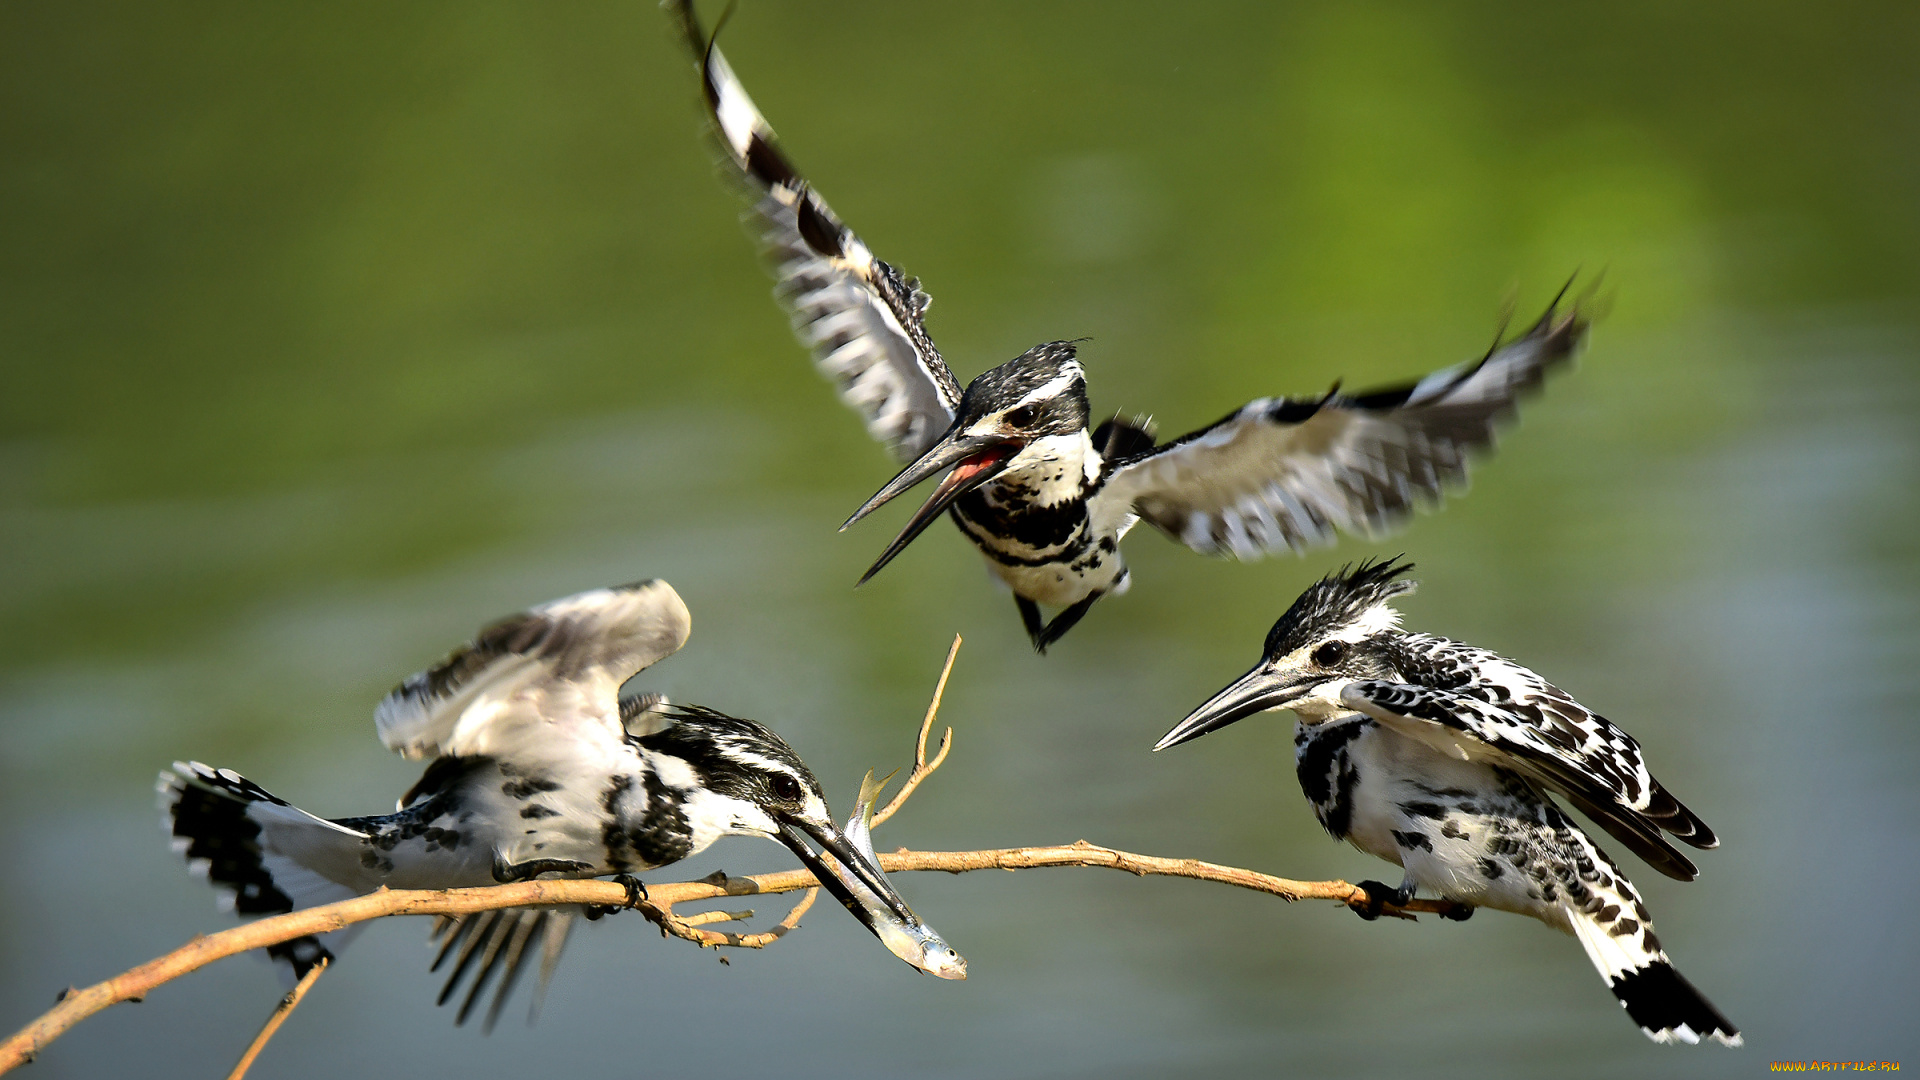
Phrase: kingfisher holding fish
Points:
(539, 769)
(1043, 494)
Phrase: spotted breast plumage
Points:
(538, 770)
(1044, 494)
(1444, 759)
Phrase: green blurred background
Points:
(327, 335)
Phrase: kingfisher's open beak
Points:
(1263, 688)
(856, 880)
(974, 459)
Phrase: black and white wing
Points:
(1285, 473)
(862, 318)
(1506, 715)
(540, 683)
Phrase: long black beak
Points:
(881, 909)
(974, 459)
(1258, 690)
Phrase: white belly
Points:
(1397, 772)
(1061, 584)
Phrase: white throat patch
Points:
(1055, 468)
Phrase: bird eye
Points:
(786, 787)
(1021, 417)
(1330, 653)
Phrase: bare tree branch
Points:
(133, 985)
(657, 905)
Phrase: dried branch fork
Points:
(922, 768)
(657, 904)
(658, 909)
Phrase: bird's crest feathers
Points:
(1347, 597)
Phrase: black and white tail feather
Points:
(1604, 911)
(269, 857)
(1624, 949)
(259, 851)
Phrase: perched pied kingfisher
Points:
(1444, 759)
(1043, 495)
(538, 770)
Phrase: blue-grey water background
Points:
(327, 336)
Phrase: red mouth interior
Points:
(978, 463)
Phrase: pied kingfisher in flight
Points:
(538, 769)
(1444, 759)
(1047, 500)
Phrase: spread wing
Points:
(1527, 724)
(862, 318)
(538, 684)
(1285, 473)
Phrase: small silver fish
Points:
(910, 940)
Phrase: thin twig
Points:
(707, 917)
(922, 768)
(687, 928)
(280, 1014)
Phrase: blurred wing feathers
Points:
(573, 653)
(863, 320)
(1285, 473)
